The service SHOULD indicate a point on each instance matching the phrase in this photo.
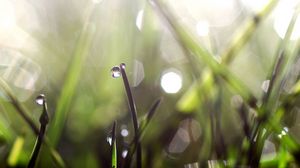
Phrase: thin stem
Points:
(143, 127)
(37, 147)
(133, 115)
(44, 119)
(114, 147)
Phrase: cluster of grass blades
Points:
(57, 159)
(139, 129)
(270, 109)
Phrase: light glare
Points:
(7, 15)
(202, 28)
(139, 19)
(171, 82)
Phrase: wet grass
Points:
(261, 118)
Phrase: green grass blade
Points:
(24, 114)
(18, 106)
(71, 81)
(16, 151)
(245, 33)
(5, 132)
(114, 155)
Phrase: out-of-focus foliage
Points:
(223, 77)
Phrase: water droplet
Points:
(40, 99)
(115, 72)
(123, 65)
(139, 20)
(124, 153)
(109, 140)
(124, 132)
(265, 85)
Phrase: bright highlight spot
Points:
(139, 20)
(40, 99)
(202, 28)
(265, 85)
(124, 153)
(171, 82)
(7, 15)
(109, 140)
(96, 1)
(124, 132)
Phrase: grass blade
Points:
(72, 79)
(44, 119)
(114, 155)
(201, 54)
(19, 108)
(149, 116)
(24, 114)
(244, 34)
(133, 115)
(16, 151)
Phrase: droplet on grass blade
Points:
(124, 153)
(40, 99)
(109, 140)
(115, 72)
(265, 85)
(123, 65)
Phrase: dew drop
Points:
(40, 99)
(115, 72)
(123, 65)
(124, 153)
(265, 85)
(109, 140)
(124, 132)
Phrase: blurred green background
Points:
(66, 49)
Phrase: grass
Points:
(234, 123)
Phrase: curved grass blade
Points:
(145, 122)
(149, 116)
(24, 114)
(270, 99)
(133, 115)
(201, 54)
(44, 119)
(244, 34)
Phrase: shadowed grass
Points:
(144, 123)
(133, 116)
